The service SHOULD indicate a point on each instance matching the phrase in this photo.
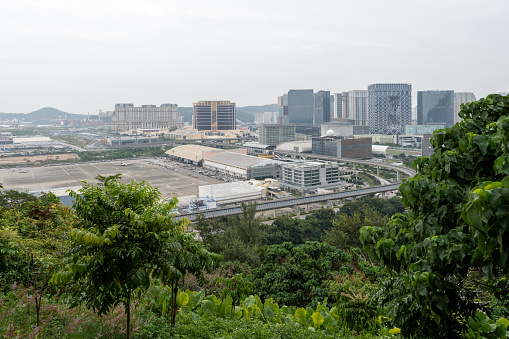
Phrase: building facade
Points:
(337, 113)
(358, 106)
(461, 98)
(275, 134)
(389, 108)
(339, 147)
(301, 106)
(321, 112)
(214, 115)
(309, 176)
(126, 117)
(435, 108)
(421, 129)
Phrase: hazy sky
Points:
(83, 56)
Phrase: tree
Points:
(344, 233)
(125, 235)
(457, 223)
(387, 207)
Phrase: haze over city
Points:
(84, 57)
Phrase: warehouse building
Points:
(243, 166)
(232, 192)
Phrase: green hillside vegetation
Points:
(432, 265)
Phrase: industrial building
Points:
(341, 147)
(127, 117)
(232, 192)
(214, 115)
(309, 176)
(243, 166)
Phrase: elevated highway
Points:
(290, 202)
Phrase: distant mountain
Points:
(245, 114)
(46, 114)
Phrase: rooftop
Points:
(190, 152)
(238, 160)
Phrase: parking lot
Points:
(172, 178)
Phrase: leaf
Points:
(317, 319)
(182, 299)
(268, 313)
(300, 315)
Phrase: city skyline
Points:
(82, 57)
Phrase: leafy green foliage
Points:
(298, 231)
(296, 275)
(456, 222)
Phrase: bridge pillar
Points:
(275, 214)
(398, 175)
(354, 198)
(297, 210)
(330, 203)
(377, 171)
(383, 194)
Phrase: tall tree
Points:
(457, 223)
(125, 234)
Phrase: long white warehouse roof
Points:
(238, 160)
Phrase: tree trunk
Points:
(128, 312)
(174, 303)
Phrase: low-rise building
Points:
(340, 147)
(275, 134)
(232, 192)
(309, 176)
(421, 129)
(243, 166)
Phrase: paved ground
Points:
(182, 182)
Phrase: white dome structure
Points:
(330, 133)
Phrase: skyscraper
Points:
(214, 115)
(435, 108)
(300, 106)
(389, 108)
(358, 106)
(461, 98)
(338, 106)
(282, 103)
(344, 106)
(321, 112)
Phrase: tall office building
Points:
(338, 106)
(389, 108)
(297, 107)
(344, 106)
(321, 112)
(461, 98)
(282, 103)
(214, 115)
(127, 117)
(358, 106)
(331, 107)
(301, 106)
(435, 108)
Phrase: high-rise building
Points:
(127, 117)
(435, 108)
(321, 112)
(301, 106)
(358, 106)
(282, 103)
(214, 115)
(331, 107)
(461, 98)
(344, 106)
(275, 134)
(389, 108)
(338, 106)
